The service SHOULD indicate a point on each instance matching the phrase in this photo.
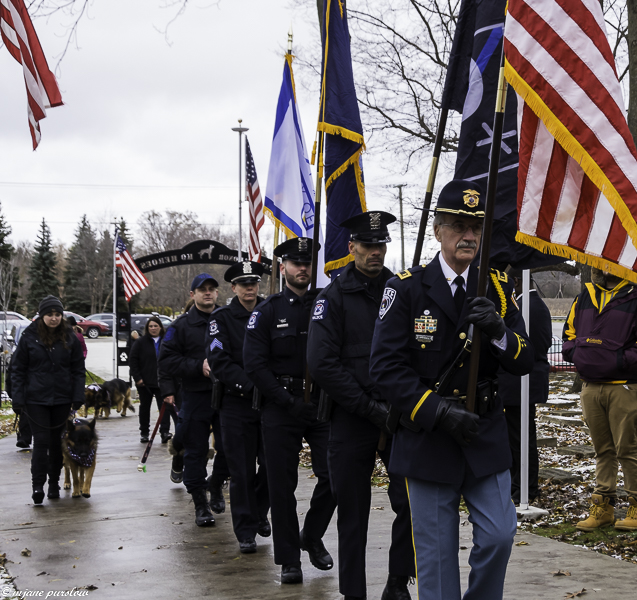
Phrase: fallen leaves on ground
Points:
(561, 573)
(576, 594)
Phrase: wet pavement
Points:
(135, 537)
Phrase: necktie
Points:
(459, 294)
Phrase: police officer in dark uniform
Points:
(183, 356)
(442, 450)
(240, 423)
(339, 345)
(274, 356)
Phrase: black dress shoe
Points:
(291, 573)
(319, 556)
(38, 494)
(144, 439)
(217, 501)
(396, 588)
(248, 546)
(203, 516)
(22, 444)
(264, 529)
(165, 437)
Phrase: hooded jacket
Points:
(600, 334)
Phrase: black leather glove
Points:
(77, 405)
(376, 412)
(302, 410)
(482, 314)
(309, 296)
(460, 424)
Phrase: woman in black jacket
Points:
(47, 380)
(143, 368)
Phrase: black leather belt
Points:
(486, 396)
(239, 394)
(294, 384)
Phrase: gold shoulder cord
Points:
(498, 288)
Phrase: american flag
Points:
(577, 180)
(134, 280)
(255, 202)
(22, 42)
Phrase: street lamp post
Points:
(241, 131)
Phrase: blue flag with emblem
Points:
(471, 87)
(340, 120)
(289, 195)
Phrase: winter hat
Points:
(49, 304)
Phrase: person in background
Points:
(510, 388)
(600, 337)
(47, 380)
(78, 333)
(143, 368)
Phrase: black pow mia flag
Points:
(471, 88)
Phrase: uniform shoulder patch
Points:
(403, 274)
(253, 320)
(320, 310)
(216, 344)
(389, 295)
(501, 275)
(213, 328)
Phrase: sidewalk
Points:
(135, 538)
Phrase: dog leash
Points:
(142, 465)
(32, 420)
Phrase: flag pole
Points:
(241, 131)
(440, 136)
(275, 261)
(485, 248)
(115, 304)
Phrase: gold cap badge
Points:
(471, 198)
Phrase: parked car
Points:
(138, 322)
(91, 329)
(555, 358)
(12, 316)
(106, 318)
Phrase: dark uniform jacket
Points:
(226, 334)
(183, 351)
(50, 376)
(541, 336)
(417, 336)
(600, 334)
(340, 338)
(143, 361)
(276, 342)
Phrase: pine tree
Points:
(79, 276)
(10, 277)
(43, 279)
(126, 235)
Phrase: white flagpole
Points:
(524, 408)
(115, 306)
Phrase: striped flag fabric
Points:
(577, 179)
(255, 203)
(134, 280)
(22, 43)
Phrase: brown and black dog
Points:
(95, 396)
(79, 448)
(119, 393)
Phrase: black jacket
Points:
(541, 336)
(183, 351)
(47, 376)
(417, 335)
(226, 334)
(340, 337)
(143, 361)
(276, 342)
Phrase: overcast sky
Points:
(147, 124)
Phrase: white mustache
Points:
(471, 245)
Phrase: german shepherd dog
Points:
(118, 392)
(79, 447)
(95, 396)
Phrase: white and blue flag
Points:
(289, 194)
